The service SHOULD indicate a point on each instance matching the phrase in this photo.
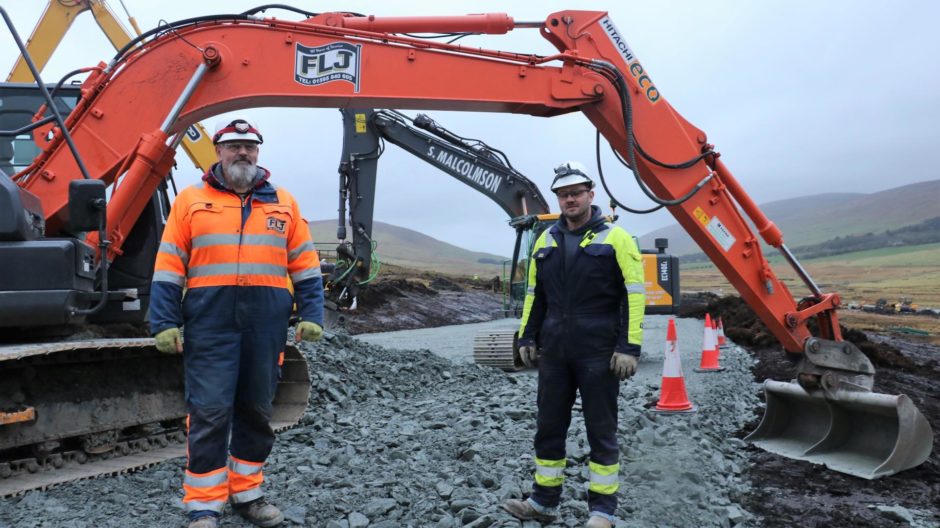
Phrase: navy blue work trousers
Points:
(233, 337)
(562, 374)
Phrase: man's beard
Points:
(240, 175)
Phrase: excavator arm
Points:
(52, 28)
(471, 162)
(136, 108)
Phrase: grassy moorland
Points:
(862, 277)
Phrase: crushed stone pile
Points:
(398, 438)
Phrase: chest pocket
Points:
(599, 262)
(542, 254)
(599, 250)
(205, 218)
(277, 219)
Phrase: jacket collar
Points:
(596, 223)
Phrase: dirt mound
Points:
(794, 493)
(402, 300)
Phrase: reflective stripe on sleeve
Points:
(297, 251)
(308, 273)
(170, 248)
(635, 288)
(169, 276)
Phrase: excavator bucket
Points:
(293, 390)
(865, 434)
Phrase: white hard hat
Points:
(238, 129)
(571, 173)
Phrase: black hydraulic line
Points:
(600, 173)
(172, 26)
(45, 93)
(285, 7)
(66, 77)
(26, 128)
(626, 108)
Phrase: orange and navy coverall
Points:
(233, 256)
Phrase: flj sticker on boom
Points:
(336, 61)
(633, 63)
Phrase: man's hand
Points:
(169, 341)
(623, 365)
(529, 354)
(308, 331)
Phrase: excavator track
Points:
(497, 348)
(84, 409)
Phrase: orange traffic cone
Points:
(672, 396)
(709, 361)
(720, 330)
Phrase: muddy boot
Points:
(260, 513)
(208, 521)
(596, 521)
(526, 511)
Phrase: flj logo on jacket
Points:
(275, 224)
(336, 61)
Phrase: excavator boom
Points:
(135, 106)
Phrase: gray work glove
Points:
(169, 341)
(623, 365)
(529, 354)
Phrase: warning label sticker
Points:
(720, 232)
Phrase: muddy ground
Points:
(795, 493)
(404, 299)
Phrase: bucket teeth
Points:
(865, 434)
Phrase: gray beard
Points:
(240, 175)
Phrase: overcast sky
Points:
(801, 97)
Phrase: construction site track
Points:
(54, 431)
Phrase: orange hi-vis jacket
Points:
(215, 238)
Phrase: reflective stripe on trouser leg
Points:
(604, 479)
(205, 491)
(550, 473)
(244, 480)
(556, 395)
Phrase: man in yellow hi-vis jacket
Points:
(582, 322)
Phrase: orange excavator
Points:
(134, 110)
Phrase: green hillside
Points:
(411, 249)
(815, 219)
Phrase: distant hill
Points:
(409, 248)
(814, 219)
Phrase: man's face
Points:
(239, 161)
(575, 200)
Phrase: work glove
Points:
(529, 354)
(623, 365)
(308, 331)
(169, 341)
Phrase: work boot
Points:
(260, 513)
(525, 511)
(596, 521)
(208, 521)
